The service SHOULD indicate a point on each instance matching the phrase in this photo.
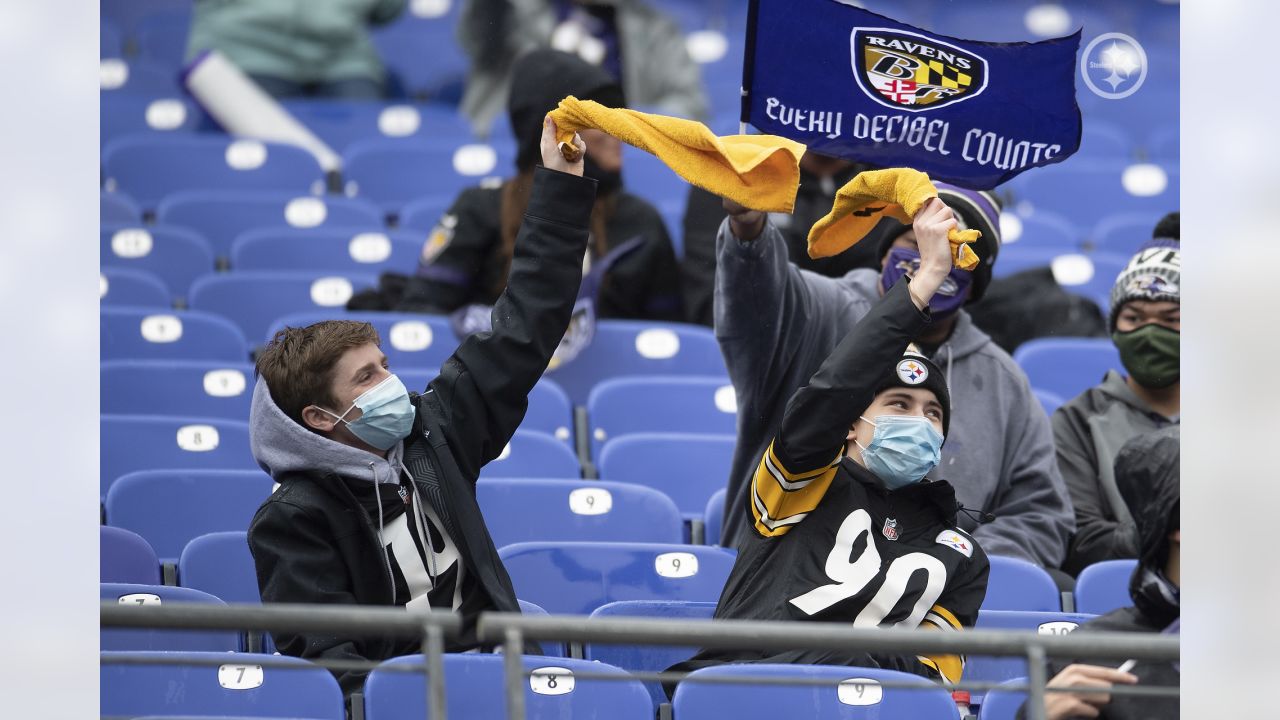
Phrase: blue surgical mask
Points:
(903, 449)
(387, 414)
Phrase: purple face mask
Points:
(951, 295)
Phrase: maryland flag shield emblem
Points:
(912, 72)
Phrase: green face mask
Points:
(1150, 354)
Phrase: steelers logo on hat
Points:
(912, 372)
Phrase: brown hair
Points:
(298, 363)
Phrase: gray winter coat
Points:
(776, 324)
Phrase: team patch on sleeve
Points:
(956, 541)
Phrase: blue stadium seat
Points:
(124, 557)
(632, 347)
(150, 442)
(648, 658)
(650, 178)
(420, 50)
(118, 208)
(172, 507)
(524, 510)
(162, 37)
(853, 693)
(239, 686)
(126, 287)
(1049, 401)
(1015, 584)
(151, 639)
(110, 39)
(127, 14)
(145, 334)
(342, 123)
(393, 172)
(423, 213)
(1123, 233)
(220, 564)
(117, 76)
(1038, 231)
(549, 411)
(1090, 275)
(713, 518)
(1089, 190)
(1156, 103)
(148, 167)
(622, 406)
(176, 387)
(688, 468)
(341, 250)
(415, 345)
(990, 668)
(1103, 140)
(123, 115)
(1003, 704)
(175, 255)
(474, 688)
(549, 647)
(254, 299)
(222, 215)
(1104, 586)
(1163, 144)
(576, 578)
(534, 454)
(1067, 366)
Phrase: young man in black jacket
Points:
(376, 503)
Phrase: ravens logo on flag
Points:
(912, 72)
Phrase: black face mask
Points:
(607, 181)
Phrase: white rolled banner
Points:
(244, 109)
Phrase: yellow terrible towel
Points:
(759, 171)
(898, 193)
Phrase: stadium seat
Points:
(117, 76)
(713, 521)
(172, 507)
(424, 212)
(576, 578)
(474, 688)
(240, 686)
(648, 658)
(110, 39)
(1090, 275)
(124, 115)
(132, 288)
(650, 178)
(162, 37)
(343, 123)
(688, 468)
(146, 334)
(549, 647)
(524, 510)
(393, 172)
(416, 345)
(124, 557)
(1049, 401)
(1102, 140)
(1104, 586)
(118, 208)
(632, 347)
(151, 639)
(534, 454)
(1089, 190)
(1001, 703)
(1156, 105)
(152, 442)
(1015, 584)
(254, 299)
(127, 14)
(223, 215)
(1123, 233)
(175, 255)
(853, 693)
(148, 167)
(990, 668)
(619, 407)
(1039, 231)
(1163, 144)
(1067, 366)
(220, 564)
(176, 387)
(420, 51)
(549, 411)
(339, 250)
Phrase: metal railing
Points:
(511, 631)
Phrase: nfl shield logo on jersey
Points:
(907, 71)
(890, 529)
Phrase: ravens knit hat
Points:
(1154, 273)
(914, 370)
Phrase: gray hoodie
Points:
(777, 323)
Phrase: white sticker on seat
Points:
(676, 565)
(246, 155)
(590, 501)
(112, 73)
(198, 438)
(474, 159)
(429, 8)
(331, 291)
(860, 691)
(240, 677)
(411, 336)
(166, 114)
(139, 599)
(103, 285)
(132, 243)
(1072, 269)
(726, 399)
(161, 328)
(399, 121)
(706, 46)
(305, 212)
(1144, 179)
(657, 344)
(551, 681)
(1057, 627)
(369, 247)
(227, 382)
(562, 433)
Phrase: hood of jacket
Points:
(1114, 386)
(281, 446)
(540, 80)
(1148, 472)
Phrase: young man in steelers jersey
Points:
(845, 528)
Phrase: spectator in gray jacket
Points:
(1146, 320)
(776, 323)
